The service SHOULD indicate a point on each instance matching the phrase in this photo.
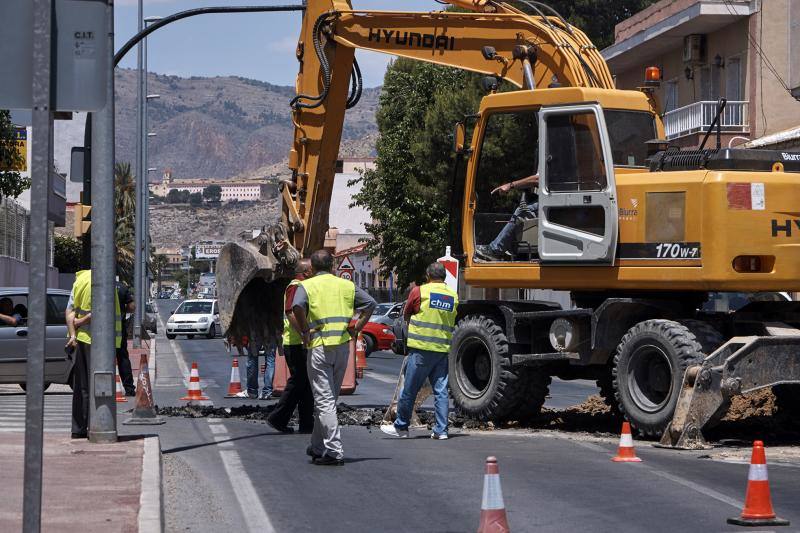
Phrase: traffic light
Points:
(81, 219)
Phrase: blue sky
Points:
(252, 45)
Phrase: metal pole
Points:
(141, 172)
(41, 166)
(102, 406)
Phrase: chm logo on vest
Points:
(442, 302)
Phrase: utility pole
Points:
(146, 190)
(42, 164)
(141, 177)
(102, 406)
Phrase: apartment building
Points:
(747, 51)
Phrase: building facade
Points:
(747, 51)
(241, 191)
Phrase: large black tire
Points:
(787, 399)
(605, 382)
(536, 387)
(649, 366)
(369, 345)
(483, 383)
(170, 336)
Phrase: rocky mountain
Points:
(223, 127)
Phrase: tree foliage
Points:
(196, 199)
(212, 193)
(175, 196)
(67, 253)
(124, 216)
(12, 183)
(596, 18)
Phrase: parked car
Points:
(149, 320)
(194, 317)
(378, 331)
(14, 339)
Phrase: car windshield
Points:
(194, 308)
(382, 309)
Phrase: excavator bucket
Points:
(251, 279)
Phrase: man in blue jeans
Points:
(500, 249)
(253, 350)
(431, 315)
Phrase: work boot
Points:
(485, 253)
(310, 452)
(327, 460)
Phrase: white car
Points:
(194, 317)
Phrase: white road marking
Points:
(383, 378)
(184, 368)
(223, 440)
(217, 429)
(255, 517)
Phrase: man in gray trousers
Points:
(323, 306)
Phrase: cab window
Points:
(508, 152)
(574, 154)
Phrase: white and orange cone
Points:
(235, 386)
(625, 451)
(194, 393)
(493, 510)
(120, 393)
(757, 502)
(361, 356)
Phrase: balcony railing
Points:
(699, 115)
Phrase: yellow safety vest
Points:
(432, 327)
(82, 305)
(330, 309)
(290, 336)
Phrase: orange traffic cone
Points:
(493, 510)
(120, 396)
(625, 451)
(235, 386)
(145, 412)
(757, 502)
(361, 356)
(194, 393)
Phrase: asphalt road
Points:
(241, 475)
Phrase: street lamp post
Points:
(145, 165)
(141, 177)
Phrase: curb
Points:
(151, 508)
(152, 365)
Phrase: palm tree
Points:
(124, 210)
(159, 263)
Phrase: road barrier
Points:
(757, 502)
(493, 510)
(625, 451)
(194, 393)
(235, 386)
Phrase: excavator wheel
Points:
(605, 382)
(649, 366)
(483, 383)
(536, 387)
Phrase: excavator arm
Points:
(529, 51)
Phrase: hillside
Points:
(222, 127)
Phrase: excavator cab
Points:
(571, 216)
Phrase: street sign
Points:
(80, 43)
(346, 264)
(346, 274)
(451, 269)
(21, 142)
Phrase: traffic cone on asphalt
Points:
(144, 414)
(757, 502)
(625, 452)
(194, 393)
(361, 356)
(493, 510)
(235, 386)
(120, 396)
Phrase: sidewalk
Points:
(87, 487)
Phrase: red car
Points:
(378, 331)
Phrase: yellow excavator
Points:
(647, 238)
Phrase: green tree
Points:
(596, 18)
(159, 264)
(12, 183)
(407, 194)
(212, 193)
(125, 215)
(67, 254)
(195, 199)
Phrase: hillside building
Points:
(253, 191)
(742, 50)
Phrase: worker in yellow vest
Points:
(323, 307)
(431, 315)
(297, 392)
(78, 318)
